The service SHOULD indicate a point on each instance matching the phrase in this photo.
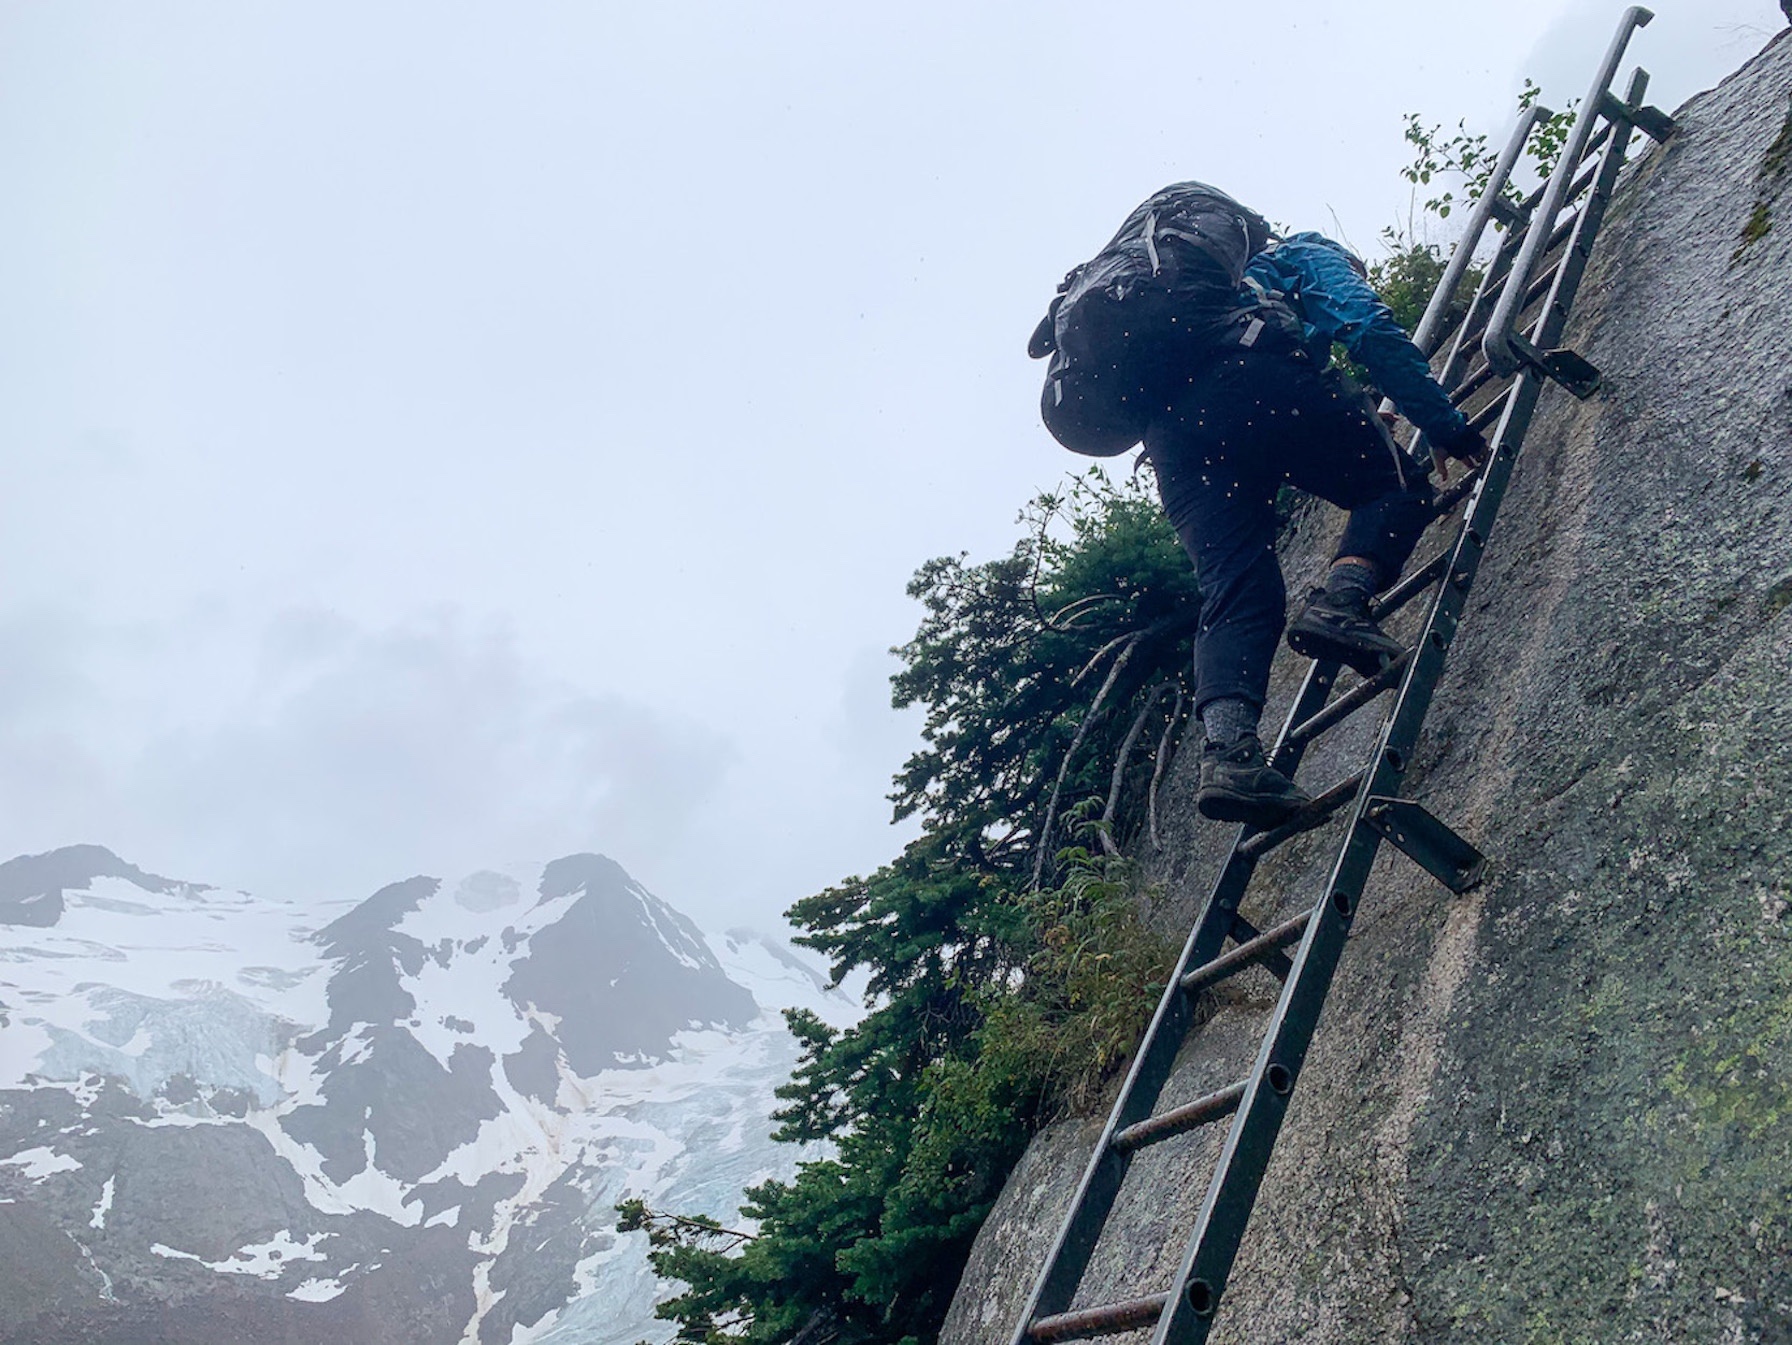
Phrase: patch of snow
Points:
(104, 1207)
(355, 1044)
(266, 1260)
(781, 978)
(527, 1335)
(677, 942)
(41, 1162)
(318, 1291)
(177, 1119)
(448, 1218)
(484, 1300)
(106, 1293)
(369, 1189)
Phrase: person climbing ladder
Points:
(1231, 405)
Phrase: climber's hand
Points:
(1466, 445)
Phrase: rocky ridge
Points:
(221, 1119)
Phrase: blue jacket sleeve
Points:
(1339, 303)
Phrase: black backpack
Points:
(1156, 302)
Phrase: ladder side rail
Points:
(1457, 372)
(1460, 376)
(1145, 1079)
(1553, 319)
(1232, 1190)
(1465, 342)
(1497, 344)
(1428, 335)
(1102, 1178)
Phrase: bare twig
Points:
(1157, 773)
(1045, 521)
(1070, 611)
(1082, 731)
(1099, 654)
(1120, 759)
(662, 1226)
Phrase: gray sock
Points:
(1352, 580)
(1227, 719)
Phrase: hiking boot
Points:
(1238, 785)
(1332, 626)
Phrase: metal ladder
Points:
(1498, 360)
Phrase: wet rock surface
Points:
(1558, 1108)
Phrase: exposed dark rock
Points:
(623, 971)
(534, 1068)
(205, 1190)
(31, 886)
(395, 1092)
(368, 989)
(46, 1270)
(230, 1102)
(534, 1274)
(1559, 1108)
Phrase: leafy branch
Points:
(1465, 158)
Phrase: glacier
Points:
(410, 1115)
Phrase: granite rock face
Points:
(1558, 1109)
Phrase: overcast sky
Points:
(443, 434)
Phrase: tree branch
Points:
(1101, 653)
(1157, 773)
(1120, 759)
(1082, 731)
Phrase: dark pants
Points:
(1241, 429)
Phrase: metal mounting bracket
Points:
(1651, 121)
(1512, 216)
(1573, 372)
(1429, 843)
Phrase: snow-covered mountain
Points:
(223, 1117)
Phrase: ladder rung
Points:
(1444, 503)
(1247, 954)
(1488, 414)
(1313, 815)
(1178, 1120)
(1243, 931)
(1540, 285)
(1353, 700)
(1414, 584)
(1110, 1320)
(1478, 377)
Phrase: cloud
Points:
(1687, 48)
(333, 757)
